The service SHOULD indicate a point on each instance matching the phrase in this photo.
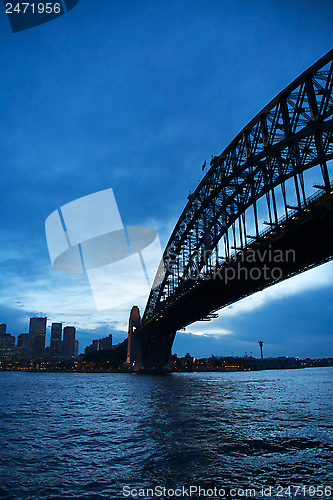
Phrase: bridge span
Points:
(250, 222)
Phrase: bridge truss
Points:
(292, 134)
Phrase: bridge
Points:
(251, 222)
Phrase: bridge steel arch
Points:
(291, 134)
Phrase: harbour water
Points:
(106, 436)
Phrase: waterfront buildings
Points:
(98, 344)
(31, 346)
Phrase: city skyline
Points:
(136, 100)
(33, 345)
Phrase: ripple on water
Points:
(86, 436)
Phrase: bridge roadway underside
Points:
(309, 234)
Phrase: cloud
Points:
(318, 278)
(213, 330)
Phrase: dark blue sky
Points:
(134, 96)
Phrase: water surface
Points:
(87, 436)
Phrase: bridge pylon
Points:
(135, 346)
(156, 352)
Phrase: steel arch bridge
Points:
(220, 225)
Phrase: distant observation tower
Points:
(260, 345)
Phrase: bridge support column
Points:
(157, 354)
(136, 342)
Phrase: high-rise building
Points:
(98, 344)
(106, 342)
(22, 344)
(3, 327)
(7, 343)
(36, 340)
(76, 348)
(55, 344)
(95, 346)
(68, 341)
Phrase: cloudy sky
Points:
(134, 96)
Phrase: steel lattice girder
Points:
(290, 135)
